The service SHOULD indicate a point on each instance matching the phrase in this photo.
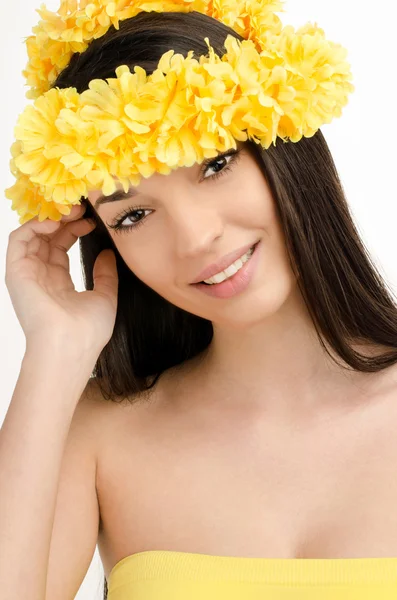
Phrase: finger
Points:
(65, 239)
(19, 238)
(105, 275)
(76, 212)
(43, 245)
(41, 250)
(39, 245)
(34, 245)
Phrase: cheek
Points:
(249, 201)
(150, 267)
(260, 208)
(251, 210)
(147, 254)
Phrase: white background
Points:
(363, 144)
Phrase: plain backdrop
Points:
(362, 142)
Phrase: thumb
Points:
(105, 274)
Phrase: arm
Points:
(41, 446)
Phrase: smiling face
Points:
(170, 227)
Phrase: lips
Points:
(223, 263)
(238, 283)
(252, 250)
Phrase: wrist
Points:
(59, 353)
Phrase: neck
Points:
(278, 365)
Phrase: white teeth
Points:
(232, 270)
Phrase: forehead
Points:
(146, 185)
(154, 184)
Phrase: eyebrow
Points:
(115, 197)
(122, 195)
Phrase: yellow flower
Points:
(27, 197)
(48, 154)
(319, 74)
(60, 34)
(187, 110)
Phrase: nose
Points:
(195, 227)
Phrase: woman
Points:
(252, 414)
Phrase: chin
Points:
(258, 307)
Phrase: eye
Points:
(221, 164)
(129, 213)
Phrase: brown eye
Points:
(220, 164)
(129, 213)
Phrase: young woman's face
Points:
(171, 227)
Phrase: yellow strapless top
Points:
(170, 575)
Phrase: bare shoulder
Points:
(93, 406)
(92, 412)
(101, 414)
(86, 422)
(93, 394)
(91, 402)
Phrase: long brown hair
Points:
(345, 294)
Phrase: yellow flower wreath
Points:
(59, 35)
(276, 82)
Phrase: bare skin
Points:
(175, 474)
(265, 346)
(262, 447)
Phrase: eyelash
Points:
(117, 223)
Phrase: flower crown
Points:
(277, 82)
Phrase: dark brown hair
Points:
(345, 294)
